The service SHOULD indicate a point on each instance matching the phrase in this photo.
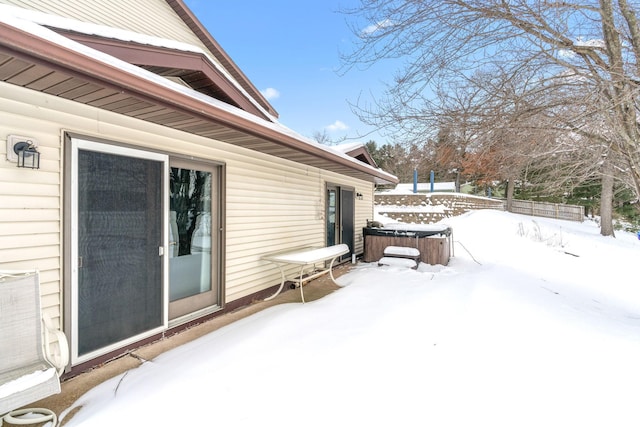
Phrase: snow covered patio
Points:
(534, 322)
(75, 387)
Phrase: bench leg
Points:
(331, 270)
(301, 292)
(283, 280)
(281, 284)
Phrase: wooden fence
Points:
(548, 210)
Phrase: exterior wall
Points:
(30, 202)
(150, 17)
(271, 203)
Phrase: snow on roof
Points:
(348, 146)
(89, 28)
(34, 23)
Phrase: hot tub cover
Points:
(409, 230)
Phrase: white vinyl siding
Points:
(271, 203)
(364, 212)
(150, 17)
(30, 204)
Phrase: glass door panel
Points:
(193, 238)
(118, 268)
(332, 216)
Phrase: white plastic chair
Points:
(29, 370)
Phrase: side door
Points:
(347, 219)
(340, 217)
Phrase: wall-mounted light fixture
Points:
(24, 151)
(359, 196)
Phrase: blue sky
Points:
(292, 49)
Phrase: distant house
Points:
(163, 174)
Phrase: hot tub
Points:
(433, 241)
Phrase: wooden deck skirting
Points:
(433, 250)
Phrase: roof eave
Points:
(73, 62)
(200, 30)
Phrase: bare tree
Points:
(323, 138)
(595, 42)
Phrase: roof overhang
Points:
(201, 32)
(193, 68)
(39, 59)
(361, 153)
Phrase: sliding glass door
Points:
(340, 217)
(145, 244)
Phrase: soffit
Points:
(193, 68)
(35, 64)
(163, 19)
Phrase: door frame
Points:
(217, 261)
(339, 232)
(344, 236)
(76, 143)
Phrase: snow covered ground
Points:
(534, 322)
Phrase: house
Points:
(162, 174)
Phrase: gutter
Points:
(49, 47)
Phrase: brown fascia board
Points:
(134, 53)
(201, 32)
(67, 60)
(362, 151)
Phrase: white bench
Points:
(400, 256)
(305, 257)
